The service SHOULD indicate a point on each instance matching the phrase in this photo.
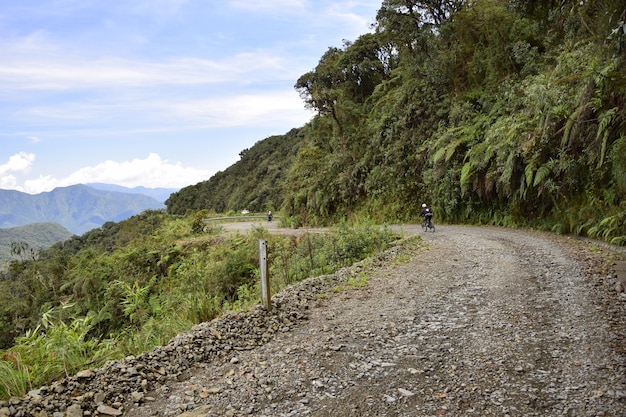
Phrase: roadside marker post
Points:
(265, 283)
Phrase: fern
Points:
(606, 118)
(618, 163)
(529, 172)
(542, 173)
(467, 174)
(439, 154)
(618, 241)
(568, 130)
(611, 229)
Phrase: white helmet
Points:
(424, 205)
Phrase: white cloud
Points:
(20, 162)
(344, 12)
(150, 172)
(263, 109)
(8, 182)
(73, 73)
(137, 114)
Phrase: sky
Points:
(154, 93)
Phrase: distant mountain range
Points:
(36, 235)
(159, 194)
(78, 208)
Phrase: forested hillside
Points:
(254, 183)
(492, 111)
(26, 241)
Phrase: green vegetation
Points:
(358, 281)
(494, 112)
(130, 286)
(253, 183)
(26, 241)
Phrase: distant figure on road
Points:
(427, 214)
(269, 216)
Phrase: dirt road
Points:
(470, 322)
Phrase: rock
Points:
(137, 396)
(85, 374)
(198, 412)
(58, 388)
(74, 410)
(108, 411)
(99, 397)
(212, 390)
(405, 392)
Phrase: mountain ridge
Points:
(78, 208)
(158, 193)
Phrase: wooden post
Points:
(265, 282)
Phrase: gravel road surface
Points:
(469, 322)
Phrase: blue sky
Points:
(158, 93)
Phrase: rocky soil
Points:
(466, 322)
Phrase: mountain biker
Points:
(426, 213)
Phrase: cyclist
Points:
(426, 214)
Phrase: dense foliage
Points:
(253, 183)
(505, 112)
(129, 286)
(508, 112)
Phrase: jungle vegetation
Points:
(15, 241)
(253, 183)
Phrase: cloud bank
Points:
(151, 172)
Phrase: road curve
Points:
(474, 321)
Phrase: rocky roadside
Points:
(470, 322)
(115, 387)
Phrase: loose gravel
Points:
(468, 321)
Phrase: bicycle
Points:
(427, 224)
